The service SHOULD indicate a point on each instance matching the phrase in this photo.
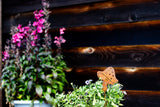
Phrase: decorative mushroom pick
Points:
(108, 77)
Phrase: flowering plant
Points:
(92, 95)
(30, 71)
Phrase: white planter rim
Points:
(25, 102)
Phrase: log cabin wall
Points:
(101, 33)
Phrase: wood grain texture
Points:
(116, 56)
(132, 78)
(118, 26)
(25, 5)
(88, 16)
(12, 7)
(142, 99)
(113, 34)
(140, 92)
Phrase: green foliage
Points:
(91, 95)
(30, 70)
(9, 79)
(42, 78)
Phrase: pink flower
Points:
(6, 55)
(39, 29)
(35, 23)
(33, 43)
(16, 37)
(35, 12)
(35, 37)
(57, 43)
(41, 11)
(41, 21)
(19, 44)
(38, 14)
(27, 28)
(20, 28)
(62, 31)
(34, 32)
(62, 39)
(59, 40)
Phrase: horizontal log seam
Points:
(141, 92)
(109, 27)
(118, 70)
(91, 50)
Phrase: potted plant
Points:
(106, 92)
(91, 95)
(30, 70)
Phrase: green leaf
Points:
(25, 62)
(55, 74)
(49, 89)
(46, 66)
(39, 90)
(44, 54)
(23, 57)
(23, 77)
(30, 85)
(19, 96)
(48, 97)
(43, 76)
(49, 80)
(28, 69)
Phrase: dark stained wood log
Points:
(142, 98)
(138, 33)
(88, 16)
(118, 26)
(12, 7)
(132, 78)
(25, 5)
(118, 56)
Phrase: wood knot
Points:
(88, 50)
(137, 57)
(133, 18)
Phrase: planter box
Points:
(18, 103)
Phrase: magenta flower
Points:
(35, 37)
(41, 11)
(39, 29)
(19, 44)
(34, 32)
(6, 55)
(41, 21)
(33, 43)
(35, 23)
(27, 30)
(38, 14)
(62, 31)
(20, 28)
(16, 37)
(59, 40)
